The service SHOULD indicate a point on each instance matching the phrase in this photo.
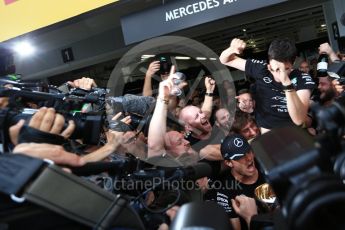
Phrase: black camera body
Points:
(300, 170)
(165, 65)
(89, 122)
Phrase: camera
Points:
(307, 174)
(165, 65)
(139, 108)
(85, 108)
(300, 170)
(336, 70)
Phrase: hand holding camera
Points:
(153, 68)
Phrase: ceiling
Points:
(300, 26)
(299, 20)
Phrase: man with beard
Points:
(222, 120)
(327, 90)
(245, 125)
(242, 178)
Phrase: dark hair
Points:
(241, 120)
(282, 50)
(243, 91)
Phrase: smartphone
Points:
(165, 65)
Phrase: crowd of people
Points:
(184, 131)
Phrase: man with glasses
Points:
(282, 94)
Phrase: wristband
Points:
(209, 94)
(289, 88)
(166, 101)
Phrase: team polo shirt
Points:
(271, 104)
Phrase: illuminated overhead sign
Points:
(178, 15)
(18, 17)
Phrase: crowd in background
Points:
(185, 130)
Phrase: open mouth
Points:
(251, 166)
(204, 122)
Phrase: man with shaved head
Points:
(162, 142)
(195, 121)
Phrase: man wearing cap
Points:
(242, 179)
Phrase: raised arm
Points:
(208, 101)
(157, 127)
(153, 68)
(326, 48)
(229, 56)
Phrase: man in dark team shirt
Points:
(282, 94)
(242, 179)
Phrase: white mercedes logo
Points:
(238, 142)
(267, 80)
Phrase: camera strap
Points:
(49, 186)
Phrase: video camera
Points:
(85, 107)
(139, 108)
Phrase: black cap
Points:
(234, 147)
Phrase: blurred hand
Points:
(172, 212)
(83, 83)
(237, 45)
(114, 138)
(153, 68)
(325, 48)
(245, 207)
(210, 84)
(280, 71)
(48, 151)
(4, 102)
(45, 120)
(338, 87)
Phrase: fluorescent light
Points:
(213, 59)
(244, 30)
(323, 25)
(145, 56)
(182, 58)
(24, 48)
(201, 58)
